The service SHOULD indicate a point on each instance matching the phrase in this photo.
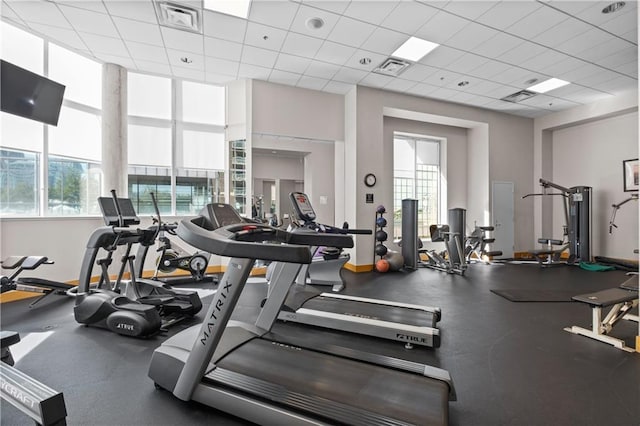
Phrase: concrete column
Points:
(114, 130)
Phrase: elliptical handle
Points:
(114, 196)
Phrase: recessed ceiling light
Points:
(314, 23)
(548, 85)
(239, 8)
(365, 61)
(614, 7)
(414, 49)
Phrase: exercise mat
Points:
(536, 295)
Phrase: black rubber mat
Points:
(537, 295)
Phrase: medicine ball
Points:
(395, 260)
(381, 236)
(381, 221)
(381, 249)
(382, 265)
(380, 209)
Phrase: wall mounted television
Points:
(30, 95)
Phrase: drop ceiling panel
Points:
(39, 12)
(443, 93)
(334, 6)
(183, 40)
(567, 30)
(570, 6)
(152, 67)
(223, 26)
(443, 77)
(313, 83)
(101, 44)
(622, 24)
(139, 31)
(351, 32)
(621, 57)
(376, 80)
(61, 36)
(442, 56)
(284, 77)
(408, 17)
(400, 85)
(384, 41)
(90, 22)
(338, 87)
(584, 41)
(253, 72)
(441, 27)
(263, 36)
(301, 45)
(469, 9)
(418, 72)
(145, 52)
(349, 75)
(299, 23)
(537, 22)
(292, 63)
(221, 66)
(176, 59)
(136, 10)
(471, 36)
(224, 49)
(521, 53)
(543, 61)
(373, 12)
(603, 50)
(188, 73)
(497, 45)
(123, 61)
(490, 69)
(467, 63)
(354, 61)
(274, 13)
(334, 53)
(593, 14)
(321, 70)
(256, 56)
(94, 6)
(423, 89)
(506, 13)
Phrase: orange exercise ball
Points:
(382, 265)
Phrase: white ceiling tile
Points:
(489, 89)
(301, 45)
(137, 10)
(275, 13)
(418, 72)
(515, 76)
(595, 79)
(10, 15)
(464, 78)
(292, 63)
(263, 36)
(351, 32)
(400, 85)
(321, 70)
(338, 87)
(101, 44)
(221, 66)
(570, 6)
(145, 52)
(313, 83)
(177, 57)
(60, 36)
(565, 92)
(92, 5)
(87, 21)
(41, 12)
(490, 69)
(376, 80)
(126, 62)
(505, 13)
(497, 45)
(284, 77)
(618, 84)
(373, 12)
(631, 36)
(329, 5)
(224, 49)
(630, 69)
(408, 17)
(469, 9)
(139, 31)
(608, 48)
(475, 100)
(384, 41)
(443, 77)
(187, 73)
(587, 96)
(423, 89)
(256, 56)
(593, 14)
(467, 63)
(218, 79)
(558, 104)
(334, 53)
(471, 36)
(521, 53)
(354, 61)
(305, 13)
(253, 72)
(567, 30)
(183, 40)
(584, 41)
(539, 101)
(564, 66)
(543, 61)
(442, 56)
(443, 93)
(223, 26)
(576, 75)
(349, 75)
(537, 22)
(619, 58)
(441, 27)
(153, 67)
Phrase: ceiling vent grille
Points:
(519, 96)
(392, 67)
(177, 16)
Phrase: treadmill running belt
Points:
(342, 389)
(373, 311)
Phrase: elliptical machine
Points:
(142, 307)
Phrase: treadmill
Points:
(235, 367)
(411, 324)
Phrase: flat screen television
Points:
(30, 95)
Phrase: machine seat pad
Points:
(12, 262)
(8, 338)
(607, 297)
(550, 241)
(630, 284)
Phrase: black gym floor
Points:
(512, 363)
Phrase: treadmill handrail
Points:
(239, 240)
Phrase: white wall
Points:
(591, 154)
(271, 167)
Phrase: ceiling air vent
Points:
(177, 16)
(519, 96)
(392, 67)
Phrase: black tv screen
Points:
(30, 95)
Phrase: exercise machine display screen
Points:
(223, 215)
(110, 212)
(303, 206)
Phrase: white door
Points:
(503, 221)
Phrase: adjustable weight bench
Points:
(621, 300)
(549, 256)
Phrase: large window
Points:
(19, 182)
(416, 174)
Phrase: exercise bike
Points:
(29, 284)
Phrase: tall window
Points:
(416, 174)
(68, 179)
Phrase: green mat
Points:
(596, 267)
(536, 295)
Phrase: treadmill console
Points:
(110, 212)
(221, 215)
(302, 206)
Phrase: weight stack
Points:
(410, 233)
(457, 223)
